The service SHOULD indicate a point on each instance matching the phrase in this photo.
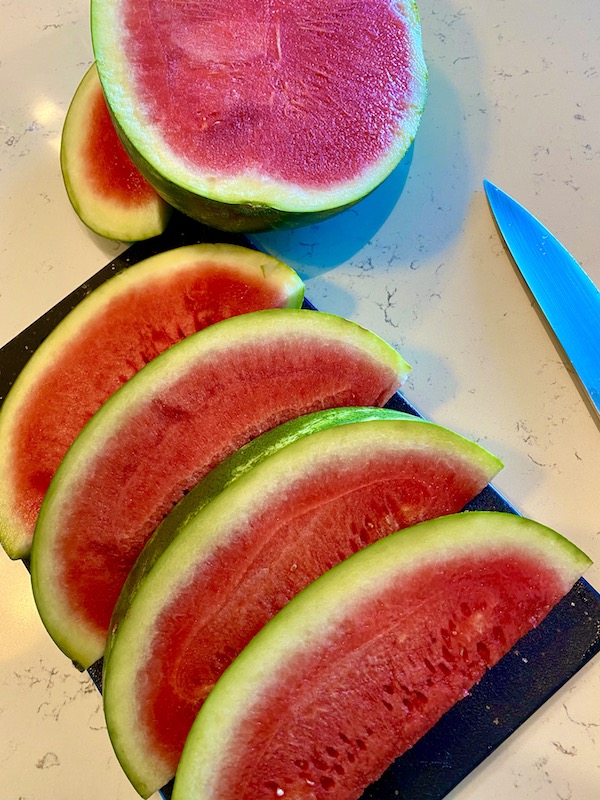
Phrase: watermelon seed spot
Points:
(429, 665)
(465, 609)
(351, 757)
(344, 738)
(332, 751)
(339, 769)
(319, 763)
(360, 744)
(444, 668)
(483, 651)
(498, 634)
(445, 634)
(364, 536)
(389, 706)
(274, 787)
(327, 783)
(369, 731)
(448, 655)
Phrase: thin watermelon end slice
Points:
(105, 188)
(358, 666)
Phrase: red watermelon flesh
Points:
(165, 428)
(274, 47)
(244, 555)
(104, 341)
(356, 668)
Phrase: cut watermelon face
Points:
(278, 523)
(105, 188)
(165, 428)
(265, 114)
(360, 664)
(104, 341)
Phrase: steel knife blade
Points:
(565, 293)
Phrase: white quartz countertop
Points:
(515, 98)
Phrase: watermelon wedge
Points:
(166, 428)
(279, 522)
(358, 666)
(254, 115)
(105, 188)
(107, 338)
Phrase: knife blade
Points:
(565, 293)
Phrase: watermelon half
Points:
(107, 338)
(166, 428)
(274, 528)
(359, 665)
(105, 188)
(257, 114)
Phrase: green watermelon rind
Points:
(83, 646)
(103, 215)
(323, 605)
(253, 202)
(199, 527)
(14, 537)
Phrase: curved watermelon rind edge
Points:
(320, 604)
(191, 536)
(83, 648)
(233, 209)
(102, 215)
(14, 536)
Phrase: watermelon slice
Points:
(277, 525)
(364, 661)
(104, 186)
(165, 428)
(254, 115)
(106, 339)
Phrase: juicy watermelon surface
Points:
(266, 54)
(315, 523)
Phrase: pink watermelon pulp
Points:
(103, 342)
(266, 113)
(164, 430)
(106, 189)
(254, 546)
(357, 667)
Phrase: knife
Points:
(564, 292)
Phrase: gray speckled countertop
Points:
(515, 98)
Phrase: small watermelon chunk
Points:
(165, 428)
(117, 329)
(107, 191)
(358, 666)
(308, 503)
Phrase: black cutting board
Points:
(508, 694)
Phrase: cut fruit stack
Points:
(276, 570)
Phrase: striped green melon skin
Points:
(268, 114)
(366, 659)
(165, 428)
(109, 336)
(271, 518)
